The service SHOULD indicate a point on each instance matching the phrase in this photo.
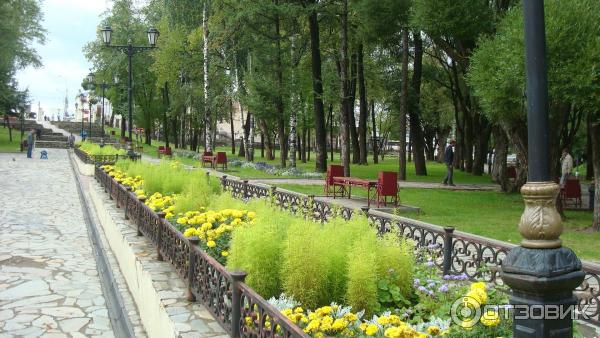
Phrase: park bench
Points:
(165, 151)
(334, 170)
(387, 186)
(220, 158)
(571, 192)
(208, 157)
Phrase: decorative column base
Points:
(542, 283)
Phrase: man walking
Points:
(30, 140)
(449, 160)
(566, 166)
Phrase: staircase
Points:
(75, 129)
(48, 139)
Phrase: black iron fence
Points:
(103, 159)
(239, 309)
(457, 252)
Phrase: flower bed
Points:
(398, 293)
(274, 170)
(92, 153)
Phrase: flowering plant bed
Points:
(407, 300)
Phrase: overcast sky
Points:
(70, 25)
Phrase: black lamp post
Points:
(541, 272)
(81, 98)
(130, 50)
(104, 86)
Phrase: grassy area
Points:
(5, 145)
(436, 171)
(486, 213)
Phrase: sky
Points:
(70, 24)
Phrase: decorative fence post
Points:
(118, 196)
(273, 199)
(236, 302)
(245, 191)
(224, 182)
(447, 250)
(139, 215)
(159, 231)
(193, 242)
(109, 188)
(127, 201)
(207, 177)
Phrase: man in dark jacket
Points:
(449, 160)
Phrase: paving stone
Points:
(73, 324)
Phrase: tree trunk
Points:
(595, 132)
(123, 126)
(279, 101)
(351, 116)
(589, 151)
(331, 143)
(403, 107)
(416, 130)
(250, 145)
(500, 153)
(374, 142)
(262, 145)
(207, 114)
(364, 108)
(268, 141)
(481, 147)
(303, 156)
(319, 114)
(293, 108)
(344, 90)
(308, 145)
(166, 102)
(232, 127)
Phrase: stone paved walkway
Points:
(49, 284)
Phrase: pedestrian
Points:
(449, 160)
(83, 135)
(30, 140)
(566, 166)
(71, 140)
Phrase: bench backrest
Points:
(161, 148)
(221, 157)
(334, 170)
(387, 183)
(168, 151)
(572, 188)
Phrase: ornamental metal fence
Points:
(457, 252)
(237, 308)
(103, 159)
(242, 312)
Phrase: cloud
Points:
(79, 6)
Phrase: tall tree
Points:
(344, 90)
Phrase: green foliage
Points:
(362, 291)
(396, 261)
(258, 248)
(94, 149)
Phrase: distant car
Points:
(511, 160)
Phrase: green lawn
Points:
(5, 145)
(436, 171)
(486, 213)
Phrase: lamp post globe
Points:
(106, 35)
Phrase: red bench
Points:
(334, 170)
(208, 157)
(571, 191)
(165, 151)
(221, 159)
(387, 186)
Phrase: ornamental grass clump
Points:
(94, 149)
(258, 248)
(361, 292)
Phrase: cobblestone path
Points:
(49, 283)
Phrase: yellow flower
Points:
(351, 317)
(363, 326)
(211, 244)
(395, 320)
(371, 330)
(312, 326)
(490, 318)
(392, 332)
(189, 232)
(478, 285)
(251, 215)
(339, 324)
(434, 330)
(298, 310)
(224, 253)
(478, 295)
(182, 220)
(248, 321)
(383, 320)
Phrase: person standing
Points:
(566, 166)
(449, 160)
(30, 140)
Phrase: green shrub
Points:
(304, 273)
(94, 149)
(361, 292)
(258, 248)
(395, 260)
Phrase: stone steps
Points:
(51, 144)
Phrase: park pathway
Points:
(49, 280)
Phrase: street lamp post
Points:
(130, 50)
(541, 272)
(104, 86)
